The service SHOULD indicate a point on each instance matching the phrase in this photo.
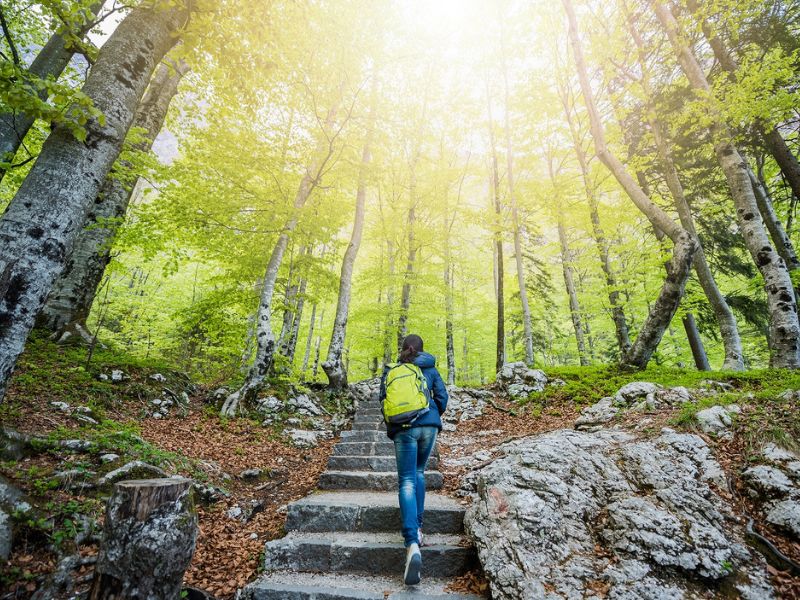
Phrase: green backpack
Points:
(406, 394)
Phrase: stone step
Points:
(282, 585)
(364, 435)
(369, 553)
(369, 511)
(372, 480)
(359, 418)
(370, 463)
(370, 409)
(348, 448)
(369, 426)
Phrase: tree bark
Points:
(684, 244)
(696, 343)
(50, 62)
(783, 244)
(291, 345)
(333, 367)
(784, 326)
(600, 240)
(387, 337)
(265, 337)
(71, 298)
(783, 155)
(726, 321)
(42, 222)
(307, 354)
(569, 282)
(500, 347)
(149, 537)
(523, 289)
(405, 293)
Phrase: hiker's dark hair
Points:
(412, 346)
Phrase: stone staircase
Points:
(343, 542)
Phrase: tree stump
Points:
(148, 540)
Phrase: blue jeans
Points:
(412, 448)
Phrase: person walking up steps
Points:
(414, 397)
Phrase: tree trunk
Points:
(569, 282)
(783, 244)
(448, 324)
(265, 338)
(318, 344)
(696, 343)
(149, 537)
(307, 354)
(71, 298)
(51, 61)
(726, 321)
(387, 336)
(523, 290)
(291, 344)
(290, 292)
(335, 371)
(500, 347)
(784, 326)
(600, 240)
(684, 244)
(42, 222)
(405, 293)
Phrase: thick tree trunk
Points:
(291, 344)
(290, 292)
(684, 243)
(726, 321)
(40, 226)
(265, 337)
(599, 236)
(336, 373)
(785, 158)
(149, 537)
(500, 346)
(51, 61)
(71, 298)
(569, 282)
(696, 343)
(784, 336)
(523, 289)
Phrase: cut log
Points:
(148, 540)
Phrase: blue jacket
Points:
(437, 402)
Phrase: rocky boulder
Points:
(775, 488)
(518, 380)
(567, 513)
(365, 391)
(464, 404)
(637, 395)
(717, 420)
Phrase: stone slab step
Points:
(370, 463)
(283, 585)
(348, 448)
(369, 511)
(369, 426)
(369, 409)
(364, 435)
(372, 480)
(369, 553)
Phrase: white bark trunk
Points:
(684, 243)
(40, 226)
(71, 298)
(265, 337)
(569, 282)
(336, 373)
(784, 338)
(499, 266)
(307, 354)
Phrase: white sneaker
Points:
(413, 565)
(420, 536)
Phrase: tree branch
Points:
(8, 37)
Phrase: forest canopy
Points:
(272, 188)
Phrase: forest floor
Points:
(195, 442)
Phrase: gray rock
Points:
(304, 405)
(158, 377)
(156, 402)
(775, 454)
(518, 380)
(365, 391)
(786, 515)
(102, 377)
(6, 535)
(269, 405)
(234, 512)
(635, 390)
(208, 493)
(674, 396)
(294, 421)
(251, 474)
(117, 376)
(541, 511)
(764, 481)
(304, 438)
(135, 469)
(593, 417)
(62, 406)
(718, 419)
(109, 457)
(76, 445)
(465, 404)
